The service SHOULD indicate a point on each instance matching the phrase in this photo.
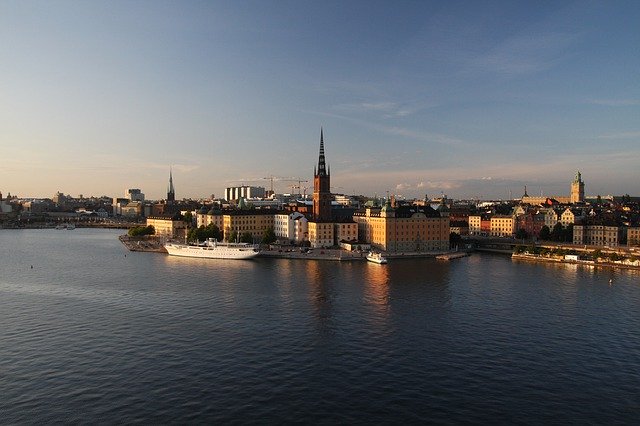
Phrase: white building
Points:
(134, 194)
(236, 192)
(293, 226)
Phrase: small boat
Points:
(212, 249)
(376, 258)
(61, 226)
(70, 227)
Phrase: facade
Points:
(633, 236)
(577, 189)
(475, 223)
(132, 209)
(552, 217)
(596, 235)
(571, 217)
(502, 226)
(235, 193)
(292, 226)
(405, 229)
(210, 217)
(255, 222)
(134, 194)
(345, 231)
(531, 222)
(168, 227)
(321, 234)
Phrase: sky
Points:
(473, 99)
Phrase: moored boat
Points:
(376, 258)
(211, 249)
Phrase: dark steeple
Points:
(321, 188)
(171, 193)
(322, 168)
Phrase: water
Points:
(96, 333)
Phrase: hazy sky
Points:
(472, 98)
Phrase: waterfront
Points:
(95, 332)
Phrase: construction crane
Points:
(285, 179)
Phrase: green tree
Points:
(188, 217)
(521, 234)
(139, 231)
(567, 233)
(246, 237)
(269, 236)
(454, 239)
(557, 232)
(202, 233)
(232, 237)
(545, 233)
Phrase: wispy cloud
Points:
(621, 135)
(385, 109)
(614, 102)
(525, 53)
(424, 136)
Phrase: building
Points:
(168, 227)
(328, 226)
(291, 226)
(577, 189)
(571, 216)
(321, 188)
(597, 235)
(255, 222)
(403, 229)
(235, 193)
(134, 194)
(212, 216)
(345, 232)
(576, 196)
(633, 236)
(321, 234)
(502, 226)
(132, 209)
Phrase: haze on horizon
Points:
(473, 99)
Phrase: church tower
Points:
(171, 192)
(321, 188)
(577, 189)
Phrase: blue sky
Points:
(473, 99)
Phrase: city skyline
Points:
(472, 100)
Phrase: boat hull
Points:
(208, 252)
(376, 258)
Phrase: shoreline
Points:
(590, 263)
(156, 245)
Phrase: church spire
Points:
(322, 171)
(171, 192)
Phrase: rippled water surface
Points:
(96, 333)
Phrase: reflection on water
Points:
(91, 334)
(376, 293)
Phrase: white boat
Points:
(211, 249)
(376, 258)
(71, 227)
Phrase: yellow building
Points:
(405, 229)
(346, 231)
(256, 222)
(502, 226)
(633, 236)
(321, 234)
(207, 218)
(168, 227)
